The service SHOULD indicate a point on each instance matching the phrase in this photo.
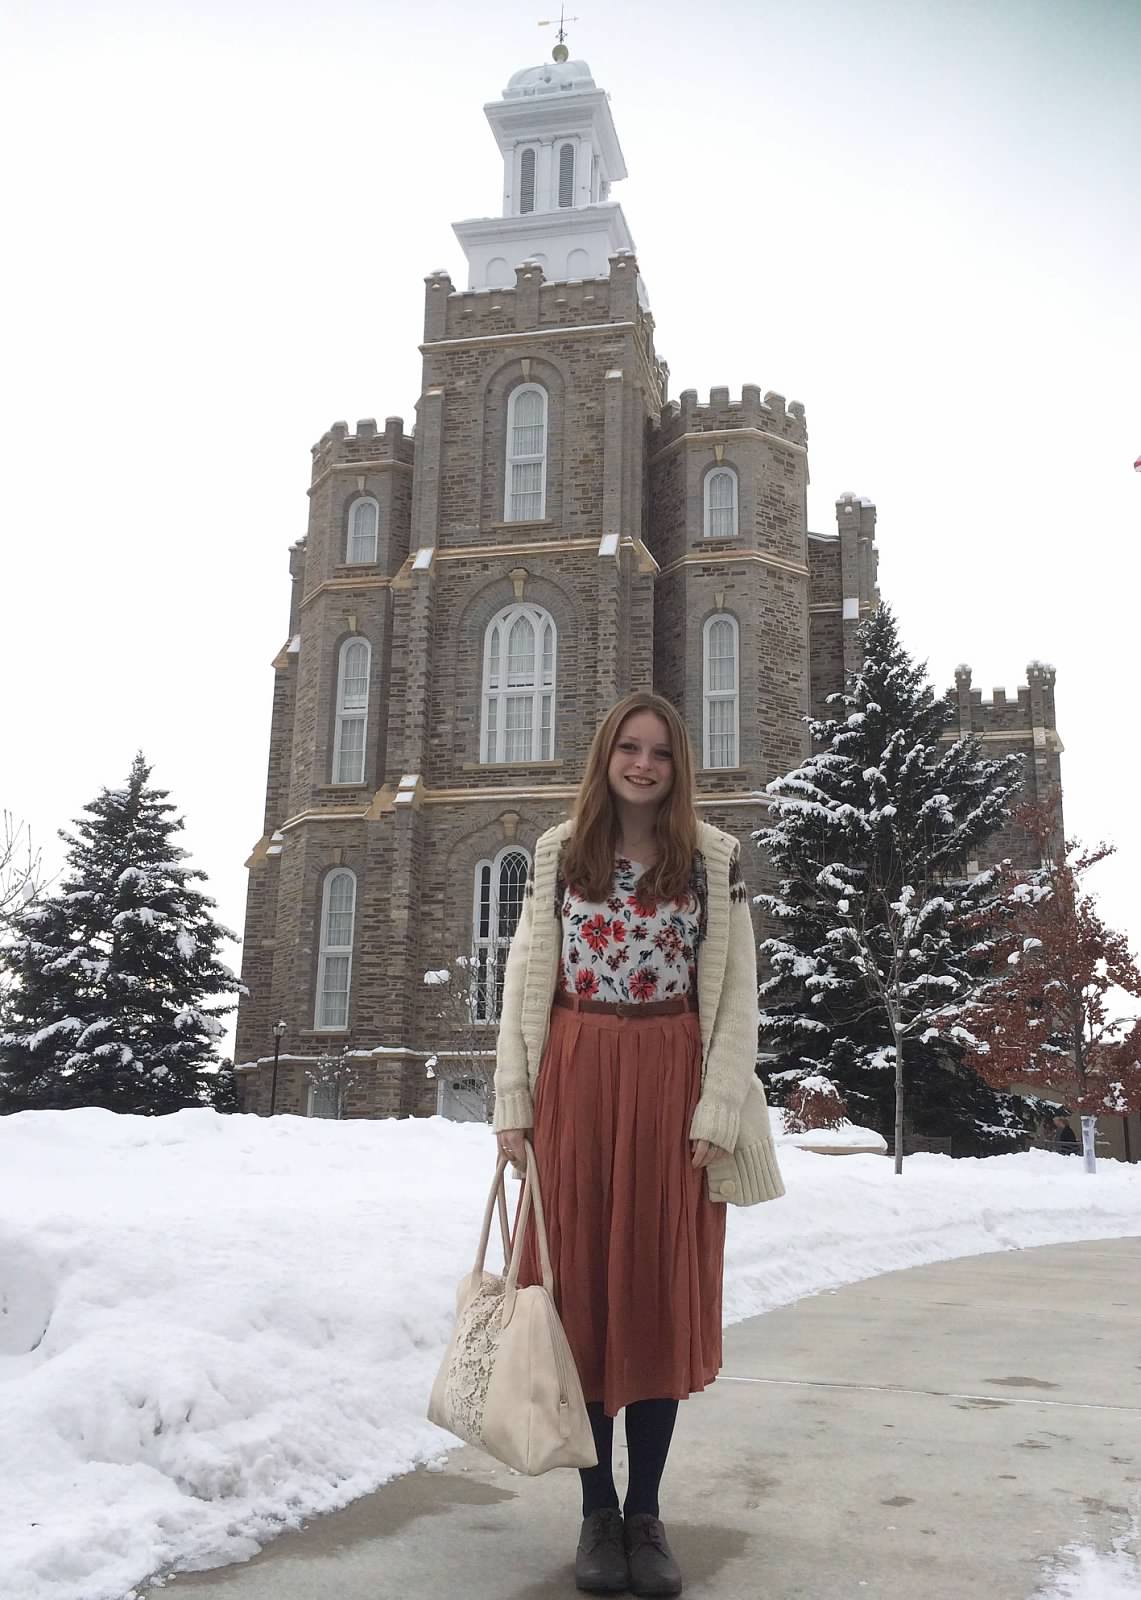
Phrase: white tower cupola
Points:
(560, 156)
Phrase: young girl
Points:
(626, 1053)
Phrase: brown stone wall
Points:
(362, 610)
(1024, 724)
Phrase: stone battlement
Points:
(338, 446)
(772, 414)
(1031, 706)
(532, 303)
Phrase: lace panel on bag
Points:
(473, 1360)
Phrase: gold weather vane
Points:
(560, 52)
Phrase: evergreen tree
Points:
(115, 980)
(879, 925)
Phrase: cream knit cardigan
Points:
(731, 1112)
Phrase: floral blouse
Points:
(631, 948)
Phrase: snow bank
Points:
(213, 1327)
(848, 1136)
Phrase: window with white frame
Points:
(721, 504)
(353, 665)
(335, 958)
(519, 686)
(526, 478)
(500, 887)
(526, 182)
(566, 176)
(364, 525)
(721, 677)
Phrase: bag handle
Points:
(531, 1193)
(531, 1196)
(498, 1193)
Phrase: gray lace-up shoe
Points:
(600, 1560)
(653, 1570)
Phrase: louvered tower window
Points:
(566, 175)
(526, 182)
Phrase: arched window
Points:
(526, 182)
(721, 504)
(526, 489)
(519, 686)
(721, 675)
(566, 175)
(352, 711)
(364, 524)
(335, 961)
(500, 886)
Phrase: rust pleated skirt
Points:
(637, 1246)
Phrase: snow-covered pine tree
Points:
(879, 924)
(117, 989)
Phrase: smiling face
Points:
(641, 768)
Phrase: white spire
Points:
(560, 156)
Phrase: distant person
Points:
(626, 1054)
(1065, 1140)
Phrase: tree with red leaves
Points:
(1045, 1020)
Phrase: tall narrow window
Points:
(721, 675)
(500, 886)
(566, 175)
(526, 182)
(526, 496)
(322, 1100)
(352, 711)
(335, 961)
(519, 686)
(721, 504)
(364, 523)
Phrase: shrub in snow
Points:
(813, 1102)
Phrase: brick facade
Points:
(620, 560)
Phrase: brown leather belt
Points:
(628, 1008)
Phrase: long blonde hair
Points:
(588, 857)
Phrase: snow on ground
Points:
(1087, 1574)
(848, 1136)
(213, 1327)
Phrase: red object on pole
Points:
(1137, 465)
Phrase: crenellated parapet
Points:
(1028, 711)
(367, 444)
(771, 414)
(532, 303)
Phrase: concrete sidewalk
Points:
(930, 1433)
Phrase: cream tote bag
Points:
(508, 1382)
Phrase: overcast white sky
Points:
(921, 220)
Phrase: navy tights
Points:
(649, 1429)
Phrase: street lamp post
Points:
(278, 1036)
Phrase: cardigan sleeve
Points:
(513, 1108)
(732, 1059)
